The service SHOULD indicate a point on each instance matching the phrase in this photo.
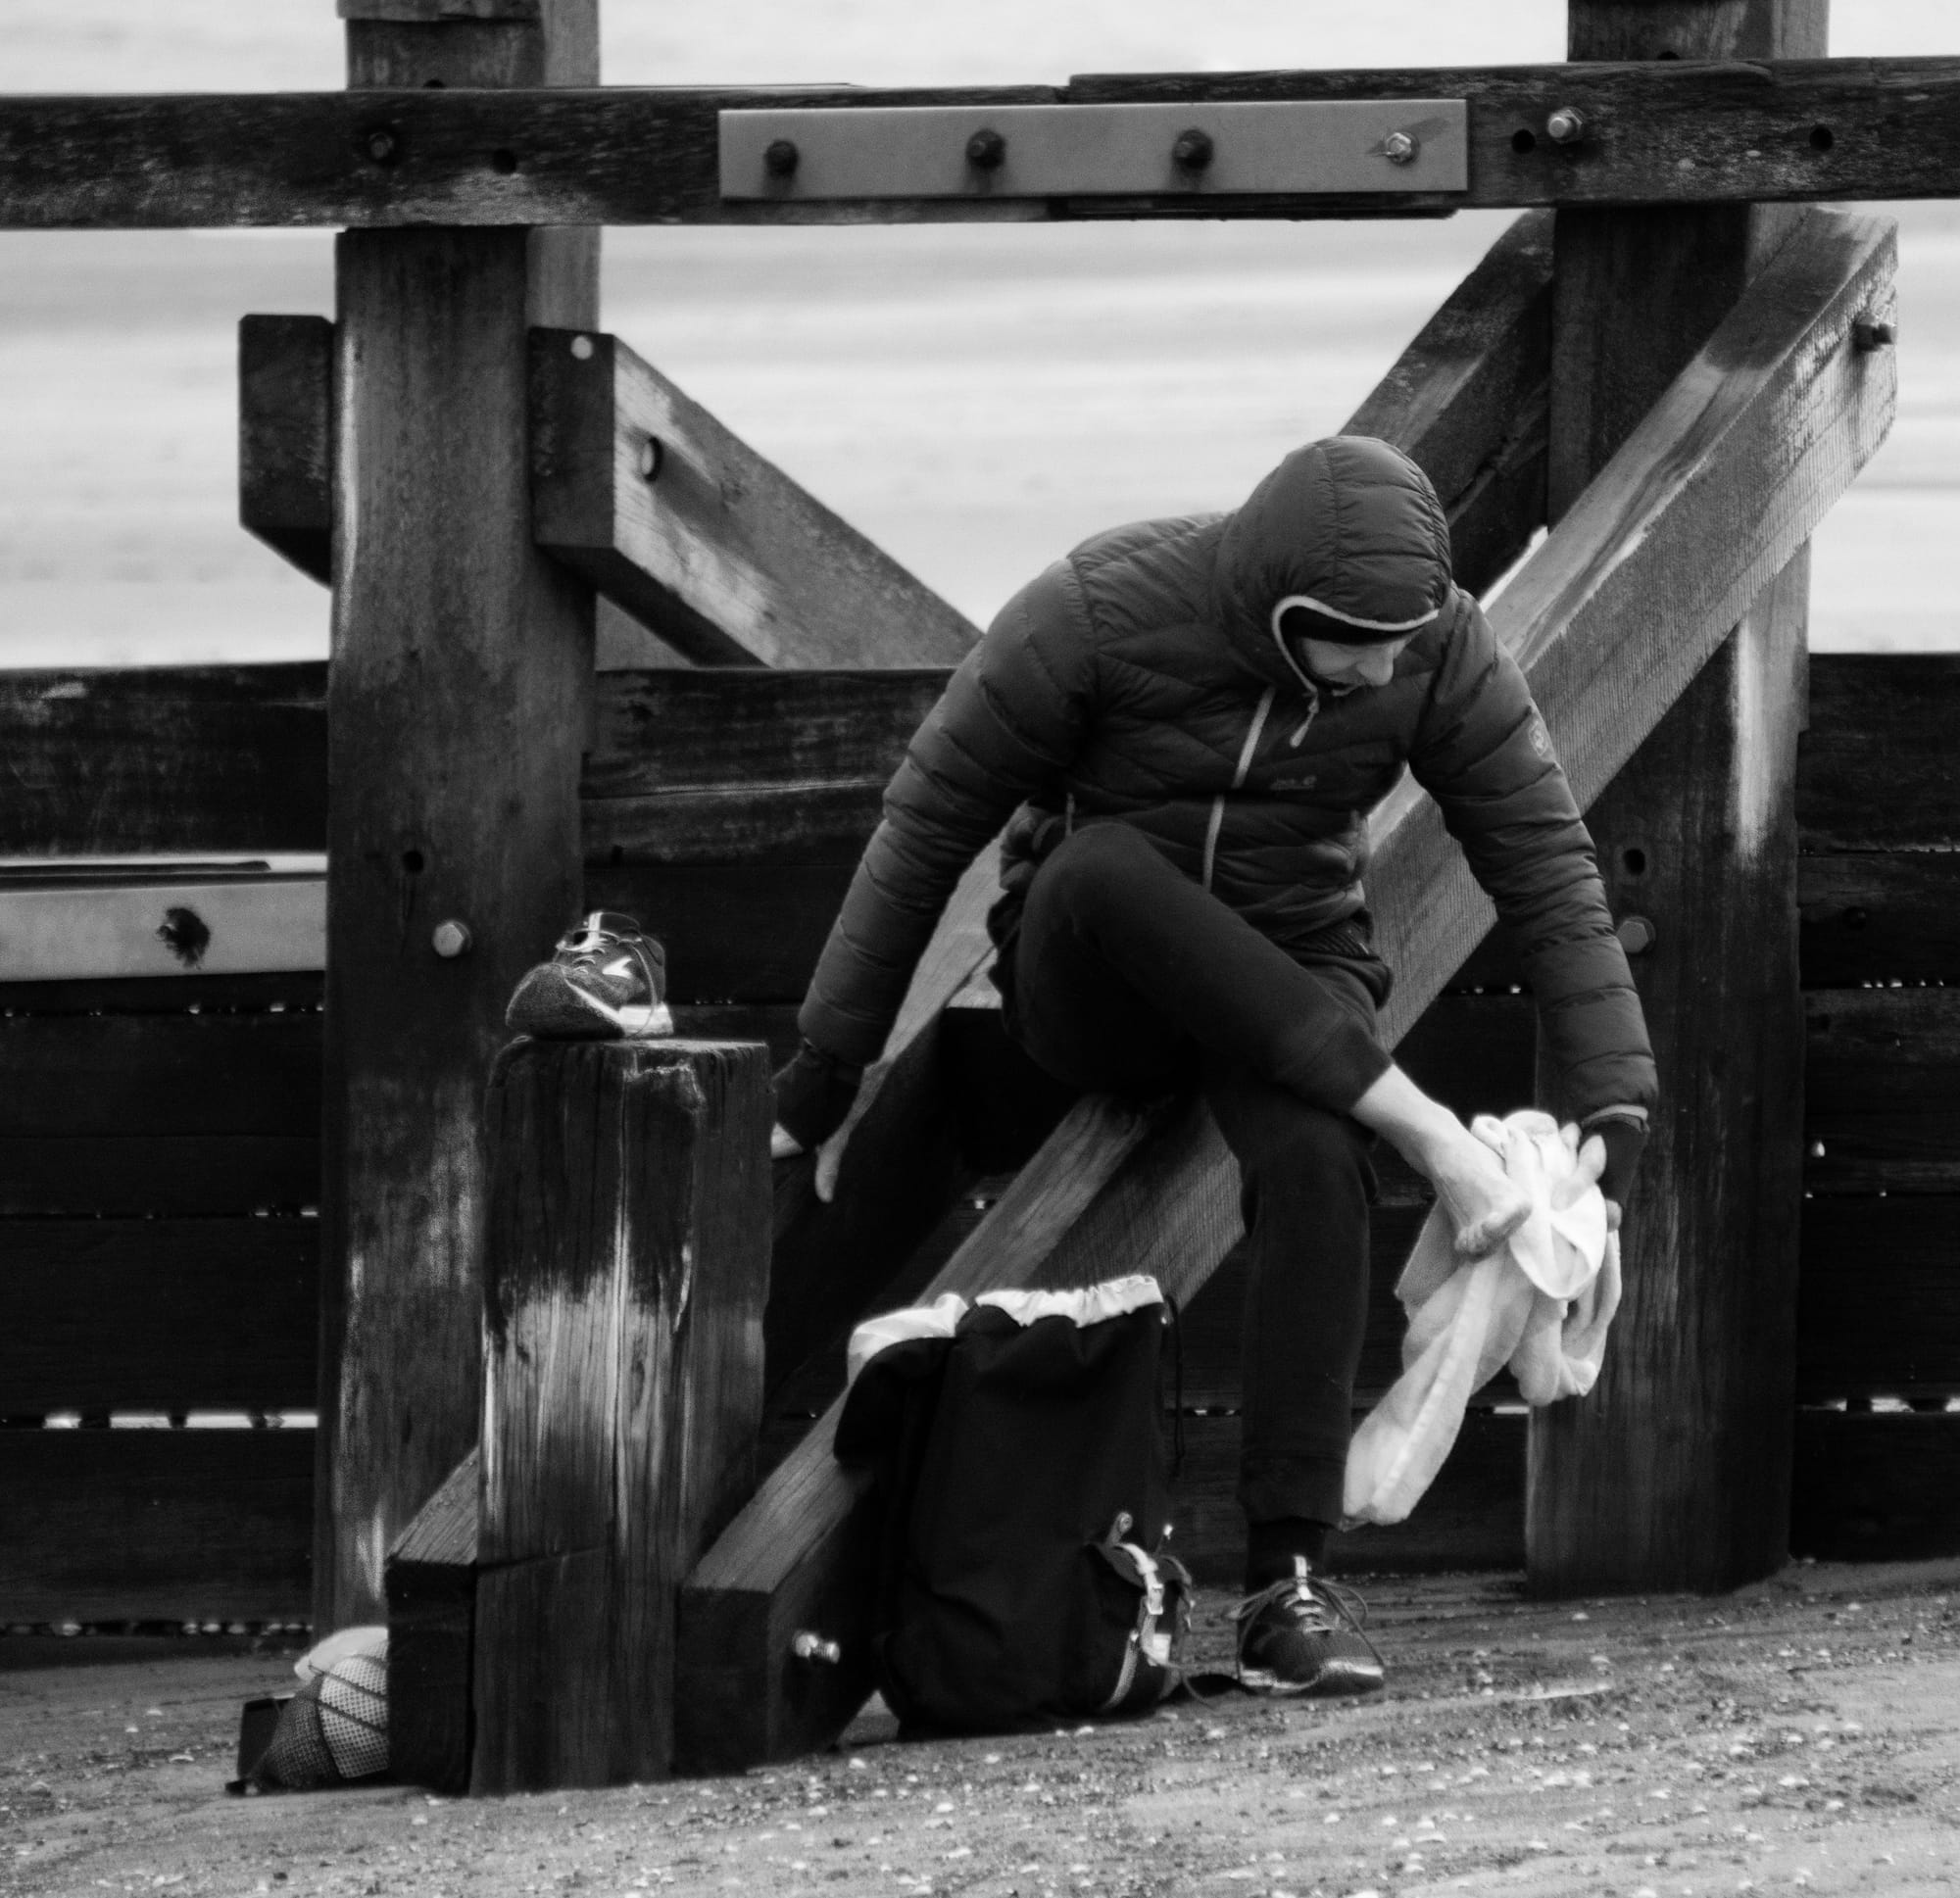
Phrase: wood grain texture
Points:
(1882, 1090)
(154, 1525)
(1878, 917)
(285, 437)
(180, 759)
(1676, 1472)
(627, 1272)
(1879, 1298)
(1675, 132)
(163, 1314)
(431, 1580)
(459, 705)
(1875, 1488)
(1877, 770)
(676, 519)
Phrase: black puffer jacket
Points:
(1139, 681)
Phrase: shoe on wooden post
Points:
(606, 982)
(1302, 1636)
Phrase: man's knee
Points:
(1095, 869)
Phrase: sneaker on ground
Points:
(1302, 1636)
(606, 983)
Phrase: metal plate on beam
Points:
(1295, 148)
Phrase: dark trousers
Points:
(1125, 974)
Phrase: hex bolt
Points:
(986, 150)
(1193, 150)
(1401, 148)
(780, 158)
(1637, 934)
(450, 939)
(807, 1645)
(381, 145)
(1565, 127)
(1869, 333)
(653, 458)
(581, 348)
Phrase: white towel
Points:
(1540, 1302)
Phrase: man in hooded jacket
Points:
(1184, 725)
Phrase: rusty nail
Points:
(1869, 333)
(1637, 934)
(1565, 127)
(780, 159)
(1401, 148)
(1193, 150)
(986, 150)
(450, 939)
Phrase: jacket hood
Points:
(1348, 525)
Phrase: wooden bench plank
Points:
(1875, 770)
(160, 1314)
(1879, 1297)
(1676, 134)
(155, 1525)
(285, 437)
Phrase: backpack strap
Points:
(1150, 1667)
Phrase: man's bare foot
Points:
(1484, 1205)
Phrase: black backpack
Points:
(1024, 1507)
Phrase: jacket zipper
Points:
(1239, 777)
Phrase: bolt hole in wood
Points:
(413, 862)
(1524, 139)
(1822, 138)
(1634, 860)
(503, 161)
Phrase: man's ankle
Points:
(1270, 1549)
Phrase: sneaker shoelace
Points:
(594, 939)
(1318, 1605)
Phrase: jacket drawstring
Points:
(1239, 777)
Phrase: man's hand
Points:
(1612, 1215)
(814, 1095)
(784, 1146)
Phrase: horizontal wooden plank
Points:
(1878, 917)
(165, 1314)
(1875, 1487)
(1877, 770)
(176, 1075)
(278, 992)
(162, 1175)
(1879, 1298)
(1675, 133)
(186, 760)
(150, 1525)
(1881, 1090)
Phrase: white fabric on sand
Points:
(1540, 1302)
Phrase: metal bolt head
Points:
(807, 1645)
(1401, 148)
(1193, 150)
(581, 348)
(653, 458)
(1870, 332)
(450, 939)
(1565, 127)
(780, 158)
(986, 150)
(1637, 934)
(380, 144)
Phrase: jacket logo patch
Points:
(1296, 784)
(1540, 739)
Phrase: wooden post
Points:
(459, 701)
(1676, 1472)
(628, 1261)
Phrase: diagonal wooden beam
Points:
(636, 487)
(673, 517)
(1467, 401)
(1610, 619)
(1651, 132)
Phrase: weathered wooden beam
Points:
(1680, 132)
(628, 1259)
(430, 1583)
(674, 518)
(285, 437)
(1611, 618)
(1676, 1471)
(458, 703)
(634, 486)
